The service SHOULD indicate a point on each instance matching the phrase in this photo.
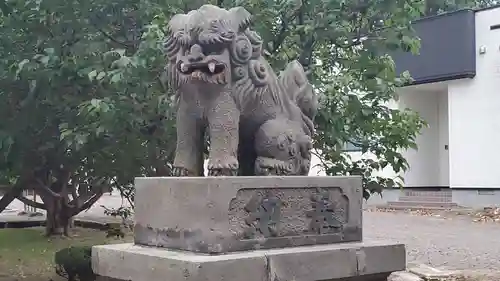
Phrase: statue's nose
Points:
(195, 53)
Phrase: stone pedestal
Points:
(375, 260)
(248, 228)
(226, 214)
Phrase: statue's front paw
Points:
(223, 167)
(180, 172)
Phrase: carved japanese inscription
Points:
(264, 215)
(326, 216)
(284, 212)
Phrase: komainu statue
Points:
(257, 123)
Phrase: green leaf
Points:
(101, 75)
(65, 133)
(116, 77)
(95, 102)
(21, 65)
(121, 62)
(45, 60)
(49, 51)
(92, 75)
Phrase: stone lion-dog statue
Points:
(258, 123)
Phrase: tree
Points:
(83, 106)
(344, 46)
(77, 115)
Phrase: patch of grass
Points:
(26, 254)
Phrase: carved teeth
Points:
(211, 67)
(196, 75)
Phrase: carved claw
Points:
(272, 167)
(222, 172)
(274, 171)
(223, 168)
(180, 172)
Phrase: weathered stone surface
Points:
(226, 214)
(309, 263)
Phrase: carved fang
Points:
(184, 68)
(211, 67)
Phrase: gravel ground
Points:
(454, 242)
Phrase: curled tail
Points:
(295, 83)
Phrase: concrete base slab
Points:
(373, 260)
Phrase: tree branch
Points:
(8, 197)
(79, 201)
(280, 38)
(300, 20)
(123, 195)
(76, 209)
(161, 169)
(46, 189)
(107, 35)
(74, 194)
(307, 52)
(308, 48)
(31, 203)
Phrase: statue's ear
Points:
(240, 18)
(177, 28)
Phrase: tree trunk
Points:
(58, 221)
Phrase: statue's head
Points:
(209, 44)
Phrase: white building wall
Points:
(316, 169)
(443, 139)
(474, 113)
(426, 163)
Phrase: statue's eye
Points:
(281, 142)
(281, 145)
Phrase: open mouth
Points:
(210, 68)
